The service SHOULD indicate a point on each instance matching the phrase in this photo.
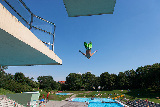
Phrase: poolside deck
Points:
(65, 104)
(73, 96)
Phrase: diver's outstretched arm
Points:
(82, 52)
(94, 53)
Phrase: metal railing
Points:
(33, 22)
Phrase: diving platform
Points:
(19, 46)
(76, 8)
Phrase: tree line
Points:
(142, 78)
(19, 83)
(15, 83)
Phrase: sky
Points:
(125, 40)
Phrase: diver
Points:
(88, 50)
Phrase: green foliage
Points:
(48, 89)
(4, 92)
(19, 77)
(105, 78)
(47, 83)
(97, 82)
(74, 81)
(88, 81)
(122, 80)
(15, 83)
(142, 78)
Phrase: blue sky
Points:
(125, 40)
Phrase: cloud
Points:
(79, 73)
(89, 71)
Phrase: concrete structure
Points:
(89, 7)
(25, 98)
(19, 46)
(4, 102)
(65, 104)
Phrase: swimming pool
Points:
(97, 102)
(104, 105)
(62, 93)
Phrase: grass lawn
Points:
(58, 97)
(52, 96)
(4, 92)
(143, 94)
(131, 95)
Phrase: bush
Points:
(48, 89)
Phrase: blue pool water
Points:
(104, 105)
(97, 102)
(62, 93)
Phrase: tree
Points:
(19, 77)
(74, 81)
(132, 79)
(2, 68)
(112, 82)
(3, 76)
(122, 81)
(142, 76)
(154, 77)
(88, 80)
(46, 82)
(55, 85)
(97, 82)
(105, 80)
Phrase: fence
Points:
(43, 29)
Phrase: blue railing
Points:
(43, 29)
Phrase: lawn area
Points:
(131, 95)
(4, 92)
(52, 95)
(143, 94)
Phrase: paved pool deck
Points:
(65, 104)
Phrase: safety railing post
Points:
(53, 44)
(53, 37)
(31, 21)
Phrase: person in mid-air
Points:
(88, 50)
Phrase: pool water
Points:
(63, 94)
(97, 102)
(104, 105)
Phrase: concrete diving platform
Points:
(76, 8)
(19, 46)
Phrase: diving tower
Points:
(76, 8)
(19, 46)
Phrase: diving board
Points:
(19, 46)
(76, 8)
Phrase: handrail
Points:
(31, 21)
(16, 11)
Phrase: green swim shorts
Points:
(88, 46)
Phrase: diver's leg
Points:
(94, 53)
(82, 52)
